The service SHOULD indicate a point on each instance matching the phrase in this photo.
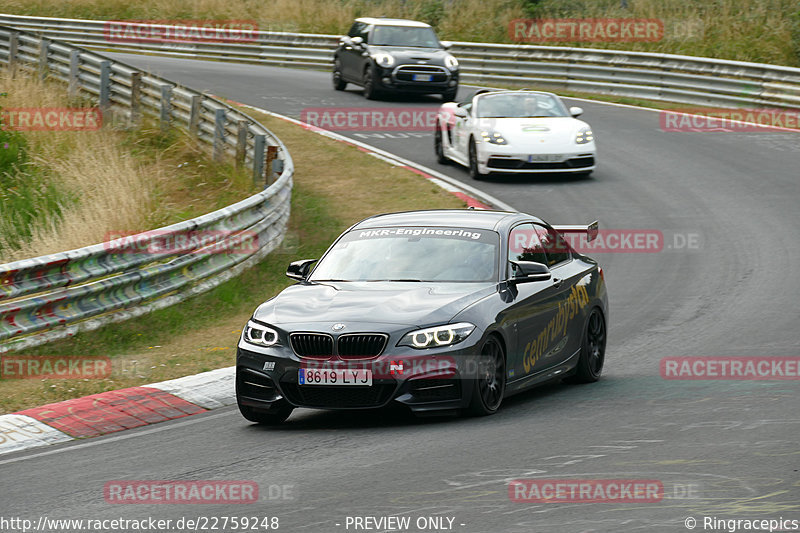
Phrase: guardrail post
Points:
(241, 143)
(259, 143)
(105, 85)
(44, 50)
(219, 134)
(166, 107)
(13, 45)
(74, 71)
(194, 114)
(272, 153)
(136, 97)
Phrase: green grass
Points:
(29, 197)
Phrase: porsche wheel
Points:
(474, 172)
(438, 146)
(593, 350)
(490, 383)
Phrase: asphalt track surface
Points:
(724, 449)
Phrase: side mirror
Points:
(357, 41)
(576, 111)
(299, 269)
(460, 112)
(447, 45)
(526, 271)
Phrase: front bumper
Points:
(401, 78)
(439, 380)
(508, 159)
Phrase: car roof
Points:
(380, 21)
(465, 218)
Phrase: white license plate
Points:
(422, 77)
(545, 158)
(343, 377)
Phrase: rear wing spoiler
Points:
(590, 230)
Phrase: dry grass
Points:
(748, 30)
(116, 180)
(112, 189)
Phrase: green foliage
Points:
(795, 29)
(27, 197)
(432, 12)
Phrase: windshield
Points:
(520, 105)
(412, 254)
(404, 36)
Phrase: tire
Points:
(370, 92)
(593, 350)
(474, 172)
(450, 95)
(438, 147)
(266, 418)
(490, 384)
(338, 83)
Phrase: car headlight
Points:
(584, 135)
(383, 59)
(260, 334)
(493, 137)
(451, 62)
(438, 336)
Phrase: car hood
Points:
(422, 56)
(407, 303)
(536, 132)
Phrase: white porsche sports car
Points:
(514, 132)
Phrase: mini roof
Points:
(380, 21)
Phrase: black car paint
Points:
(356, 61)
(517, 313)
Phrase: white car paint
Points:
(530, 141)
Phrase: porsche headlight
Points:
(584, 135)
(493, 137)
(259, 334)
(445, 335)
(383, 59)
(451, 62)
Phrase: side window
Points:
(359, 29)
(554, 246)
(524, 245)
(355, 29)
(365, 31)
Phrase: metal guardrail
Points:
(56, 295)
(653, 76)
